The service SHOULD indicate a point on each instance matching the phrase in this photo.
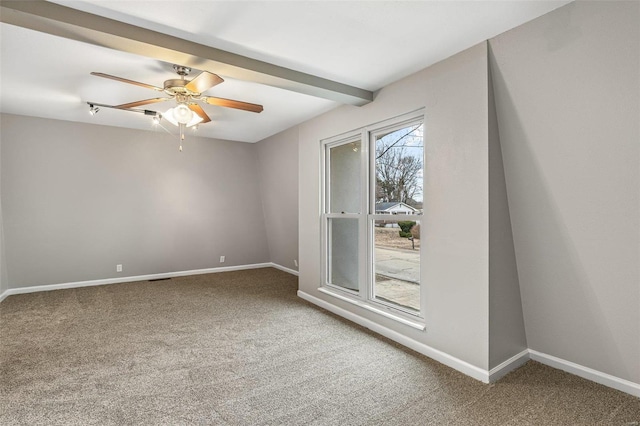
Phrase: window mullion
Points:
(371, 167)
(379, 281)
(364, 209)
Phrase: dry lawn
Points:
(390, 238)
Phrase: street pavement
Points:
(398, 264)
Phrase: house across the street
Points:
(395, 207)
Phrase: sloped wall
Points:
(567, 89)
(4, 282)
(507, 335)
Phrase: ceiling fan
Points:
(187, 111)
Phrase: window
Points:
(372, 206)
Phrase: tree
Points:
(398, 170)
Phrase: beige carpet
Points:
(239, 348)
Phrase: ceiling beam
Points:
(73, 24)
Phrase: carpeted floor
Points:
(240, 348)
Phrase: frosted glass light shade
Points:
(181, 114)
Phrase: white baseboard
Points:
(478, 373)
(587, 373)
(497, 372)
(106, 281)
(284, 268)
(446, 359)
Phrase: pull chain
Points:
(181, 135)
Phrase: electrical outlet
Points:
(295, 262)
(221, 259)
(118, 268)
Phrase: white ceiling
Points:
(366, 44)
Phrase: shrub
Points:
(415, 232)
(405, 228)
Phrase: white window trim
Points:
(411, 323)
(364, 297)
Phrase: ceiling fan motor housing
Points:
(177, 87)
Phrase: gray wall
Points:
(567, 94)
(278, 162)
(78, 199)
(4, 282)
(507, 335)
(455, 239)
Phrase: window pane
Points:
(344, 163)
(397, 263)
(343, 253)
(398, 163)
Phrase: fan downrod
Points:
(181, 70)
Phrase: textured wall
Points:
(78, 199)
(278, 161)
(567, 91)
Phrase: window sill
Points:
(414, 324)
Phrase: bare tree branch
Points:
(398, 140)
(397, 171)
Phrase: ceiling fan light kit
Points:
(181, 114)
(186, 93)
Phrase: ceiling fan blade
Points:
(229, 103)
(198, 110)
(203, 81)
(124, 80)
(140, 103)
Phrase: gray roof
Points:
(387, 206)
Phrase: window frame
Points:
(326, 214)
(365, 296)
